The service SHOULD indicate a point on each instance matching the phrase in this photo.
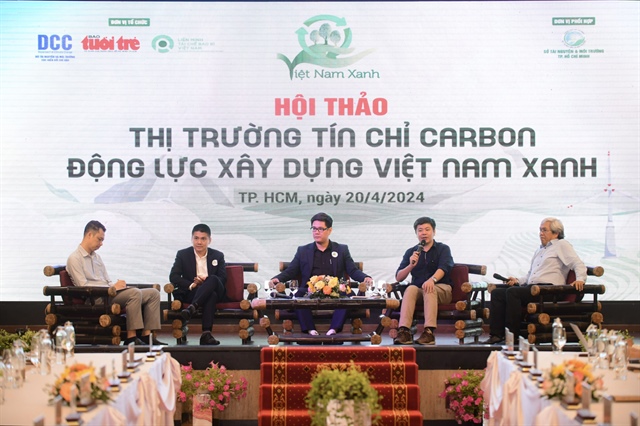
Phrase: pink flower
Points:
(211, 388)
(464, 383)
(187, 376)
(220, 407)
(221, 397)
(223, 369)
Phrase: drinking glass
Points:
(591, 338)
(559, 338)
(293, 287)
(370, 287)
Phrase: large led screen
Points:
(251, 117)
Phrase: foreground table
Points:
(148, 397)
(512, 397)
(326, 304)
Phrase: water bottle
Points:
(70, 343)
(45, 352)
(60, 337)
(556, 335)
(19, 360)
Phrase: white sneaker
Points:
(331, 332)
(313, 332)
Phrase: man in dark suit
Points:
(321, 257)
(199, 275)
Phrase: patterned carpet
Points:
(287, 371)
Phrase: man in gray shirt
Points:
(85, 267)
(551, 264)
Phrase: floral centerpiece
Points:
(326, 286)
(464, 396)
(334, 384)
(555, 379)
(216, 381)
(72, 376)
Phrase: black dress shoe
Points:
(208, 339)
(188, 313)
(493, 340)
(156, 342)
(135, 341)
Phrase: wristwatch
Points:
(435, 280)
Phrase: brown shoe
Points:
(426, 338)
(403, 338)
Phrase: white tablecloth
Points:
(514, 399)
(148, 398)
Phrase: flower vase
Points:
(344, 413)
(202, 411)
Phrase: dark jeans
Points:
(206, 296)
(506, 308)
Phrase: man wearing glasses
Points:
(551, 264)
(321, 257)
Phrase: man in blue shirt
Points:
(429, 264)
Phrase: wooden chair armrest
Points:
(542, 290)
(51, 270)
(596, 271)
(475, 269)
(81, 292)
(396, 289)
(246, 266)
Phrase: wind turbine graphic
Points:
(610, 230)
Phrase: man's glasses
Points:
(314, 229)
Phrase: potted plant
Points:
(341, 394)
(463, 396)
(210, 390)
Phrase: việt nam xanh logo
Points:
(325, 41)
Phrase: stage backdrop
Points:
(251, 117)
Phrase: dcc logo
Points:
(54, 42)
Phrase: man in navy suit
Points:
(199, 275)
(321, 257)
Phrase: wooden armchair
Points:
(95, 322)
(562, 301)
(287, 316)
(240, 294)
(467, 307)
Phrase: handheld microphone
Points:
(500, 277)
(420, 248)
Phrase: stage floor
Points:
(446, 354)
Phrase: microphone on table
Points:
(500, 277)
(420, 248)
(276, 295)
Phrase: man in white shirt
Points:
(85, 267)
(551, 264)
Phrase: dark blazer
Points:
(183, 270)
(302, 264)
